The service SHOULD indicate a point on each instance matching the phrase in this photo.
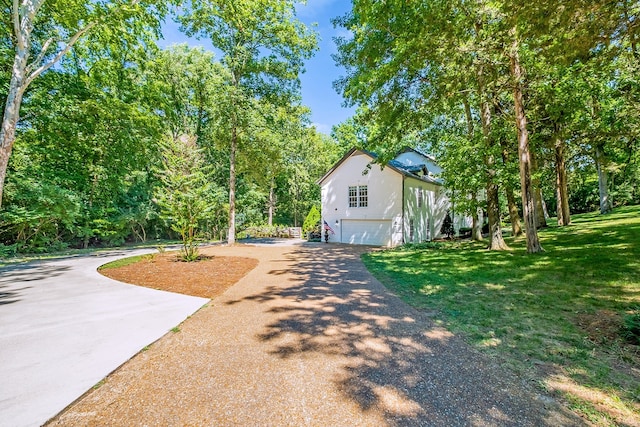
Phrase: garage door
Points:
(366, 232)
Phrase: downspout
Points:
(402, 221)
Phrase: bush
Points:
(312, 220)
(631, 327)
(37, 216)
(280, 231)
(7, 251)
(447, 226)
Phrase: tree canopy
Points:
(89, 162)
(499, 89)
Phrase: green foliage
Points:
(312, 219)
(631, 326)
(525, 309)
(260, 231)
(420, 72)
(263, 48)
(447, 226)
(38, 216)
(186, 197)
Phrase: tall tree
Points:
(263, 47)
(60, 25)
(407, 74)
(524, 155)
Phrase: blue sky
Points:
(317, 82)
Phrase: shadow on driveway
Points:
(399, 361)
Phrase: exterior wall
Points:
(384, 196)
(411, 158)
(427, 219)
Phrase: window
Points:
(364, 197)
(358, 196)
(411, 230)
(353, 197)
(420, 197)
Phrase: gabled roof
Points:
(394, 165)
(413, 150)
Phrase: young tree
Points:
(263, 47)
(187, 195)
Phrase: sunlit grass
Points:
(527, 309)
(123, 262)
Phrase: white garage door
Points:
(366, 232)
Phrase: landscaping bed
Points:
(207, 278)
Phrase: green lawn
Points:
(554, 317)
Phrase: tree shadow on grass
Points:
(396, 361)
(533, 307)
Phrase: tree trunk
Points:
(528, 190)
(476, 227)
(514, 215)
(272, 202)
(496, 242)
(231, 239)
(541, 220)
(562, 192)
(603, 181)
(12, 112)
(545, 211)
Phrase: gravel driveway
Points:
(309, 337)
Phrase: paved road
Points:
(64, 327)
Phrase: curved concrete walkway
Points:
(64, 327)
(310, 338)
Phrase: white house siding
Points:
(427, 219)
(384, 199)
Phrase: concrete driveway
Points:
(64, 327)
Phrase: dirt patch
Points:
(207, 278)
(602, 327)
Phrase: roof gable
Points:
(409, 171)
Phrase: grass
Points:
(555, 317)
(126, 261)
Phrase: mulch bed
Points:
(207, 278)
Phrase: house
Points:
(402, 202)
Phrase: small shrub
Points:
(631, 327)
(7, 251)
(312, 220)
(447, 226)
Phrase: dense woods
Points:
(515, 99)
(118, 140)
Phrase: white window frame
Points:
(358, 196)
